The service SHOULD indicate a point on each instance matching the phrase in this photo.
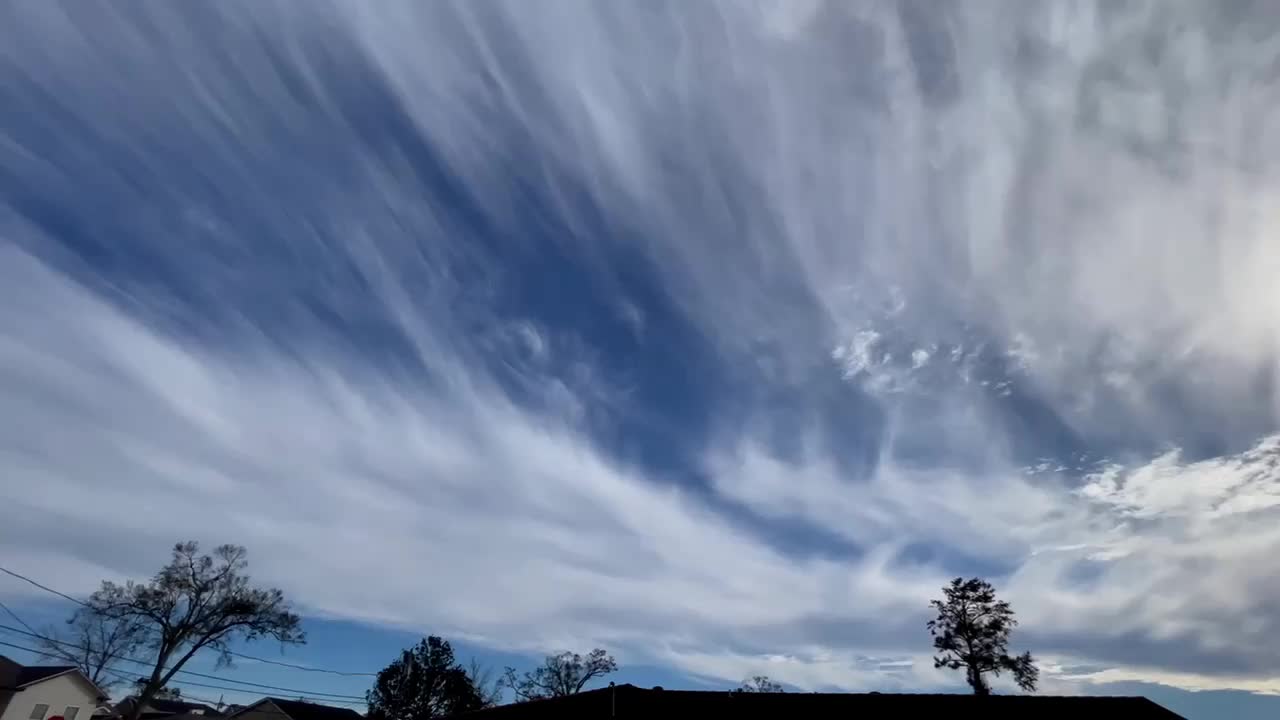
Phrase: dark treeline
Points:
(206, 603)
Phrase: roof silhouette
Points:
(302, 710)
(34, 673)
(629, 701)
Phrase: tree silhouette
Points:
(95, 644)
(424, 683)
(562, 674)
(972, 632)
(488, 684)
(760, 684)
(164, 693)
(195, 602)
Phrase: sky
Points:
(720, 335)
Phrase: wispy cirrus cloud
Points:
(722, 333)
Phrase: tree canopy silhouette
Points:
(562, 674)
(424, 683)
(972, 632)
(194, 602)
(760, 684)
(164, 693)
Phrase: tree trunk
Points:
(977, 682)
(148, 691)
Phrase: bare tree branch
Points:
(487, 683)
(559, 675)
(95, 644)
(194, 602)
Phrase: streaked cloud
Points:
(719, 333)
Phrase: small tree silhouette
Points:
(972, 632)
(560, 675)
(760, 684)
(425, 682)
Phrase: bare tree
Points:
(487, 684)
(760, 684)
(559, 675)
(95, 644)
(195, 602)
(972, 632)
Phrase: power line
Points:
(144, 663)
(302, 694)
(213, 703)
(21, 622)
(303, 667)
(20, 647)
(125, 678)
(24, 578)
(268, 661)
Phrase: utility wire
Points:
(21, 622)
(24, 578)
(212, 703)
(125, 678)
(268, 661)
(144, 663)
(301, 694)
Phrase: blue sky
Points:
(719, 335)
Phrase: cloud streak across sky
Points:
(721, 334)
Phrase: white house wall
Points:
(58, 693)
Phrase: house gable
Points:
(281, 709)
(264, 709)
(19, 683)
(53, 695)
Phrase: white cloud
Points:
(382, 502)
(1071, 196)
(1160, 552)
(1186, 681)
(400, 503)
(1022, 183)
(817, 670)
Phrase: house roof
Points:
(8, 681)
(178, 707)
(213, 715)
(628, 701)
(161, 707)
(301, 710)
(14, 675)
(35, 673)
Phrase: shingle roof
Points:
(14, 677)
(161, 707)
(193, 716)
(628, 701)
(178, 707)
(35, 673)
(299, 710)
(8, 671)
(8, 681)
